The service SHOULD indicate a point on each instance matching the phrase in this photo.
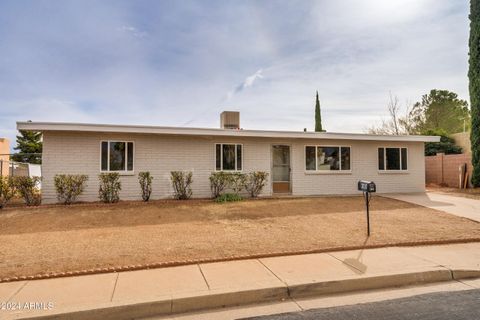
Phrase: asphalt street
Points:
(457, 305)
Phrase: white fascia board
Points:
(85, 127)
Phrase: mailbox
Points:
(366, 186)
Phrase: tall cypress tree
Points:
(474, 86)
(318, 116)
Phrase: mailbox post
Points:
(367, 187)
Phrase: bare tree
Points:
(409, 122)
(395, 124)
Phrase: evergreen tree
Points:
(474, 77)
(29, 144)
(318, 116)
(446, 145)
(440, 110)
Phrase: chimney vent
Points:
(230, 120)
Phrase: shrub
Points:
(181, 182)
(219, 181)
(145, 180)
(69, 186)
(27, 188)
(254, 182)
(237, 181)
(228, 197)
(110, 187)
(7, 190)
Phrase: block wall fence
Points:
(443, 169)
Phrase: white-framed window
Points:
(392, 159)
(327, 158)
(116, 156)
(228, 157)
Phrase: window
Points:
(345, 158)
(392, 159)
(228, 157)
(310, 158)
(116, 156)
(327, 158)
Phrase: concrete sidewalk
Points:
(136, 294)
(460, 206)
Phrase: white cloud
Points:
(248, 82)
(133, 31)
(251, 79)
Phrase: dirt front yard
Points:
(83, 237)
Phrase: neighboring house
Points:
(298, 163)
(12, 168)
(4, 156)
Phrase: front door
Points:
(281, 169)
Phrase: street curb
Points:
(465, 274)
(180, 304)
(218, 299)
(368, 283)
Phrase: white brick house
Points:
(298, 163)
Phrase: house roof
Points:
(114, 128)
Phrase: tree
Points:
(441, 109)
(474, 86)
(438, 110)
(318, 116)
(29, 144)
(395, 124)
(446, 144)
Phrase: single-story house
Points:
(299, 163)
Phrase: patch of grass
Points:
(228, 197)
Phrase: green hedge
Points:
(110, 187)
(69, 186)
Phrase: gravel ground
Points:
(79, 237)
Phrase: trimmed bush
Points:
(254, 182)
(7, 190)
(237, 181)
(110, 187)
(181, 183)
(228, 197)
(69, 186)
(145, 180)
(219, 181)
(27, 188)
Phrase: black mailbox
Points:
(366, 186)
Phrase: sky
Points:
(180, 63)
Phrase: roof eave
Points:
(84, 127)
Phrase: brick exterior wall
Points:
(443, 169)
(364, 164)
(79, 153)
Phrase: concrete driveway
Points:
(460, 206)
